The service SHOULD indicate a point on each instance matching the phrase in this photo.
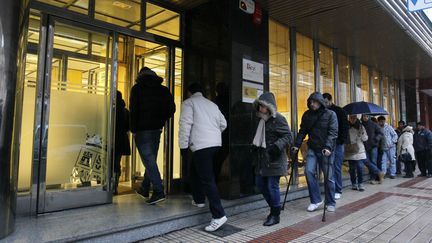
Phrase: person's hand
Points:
(294, 150)
(184, 153)
(326, 152)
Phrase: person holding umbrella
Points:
(321, 125)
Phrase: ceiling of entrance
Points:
(187, 4)
(362, 29)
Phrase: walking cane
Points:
(325, 185)
(294, 160)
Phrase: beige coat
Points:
(406, 141)
(357, 136)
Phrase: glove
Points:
(273, 151)
(184, 153)
(294, 150)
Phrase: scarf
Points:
(259, 139)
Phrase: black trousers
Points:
(203, 181)
(424, 161)
(409, 167)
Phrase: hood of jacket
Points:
(408, 129)
(149, 78)
(268, 100)
(317, 96)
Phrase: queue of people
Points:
(333, 136)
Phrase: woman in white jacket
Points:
(405, 150)
(355, 152)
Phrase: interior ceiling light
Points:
(122, 5)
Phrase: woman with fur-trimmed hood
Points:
(272, 137)
(405, 150)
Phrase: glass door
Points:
(76, 110)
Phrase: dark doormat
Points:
(225, 231)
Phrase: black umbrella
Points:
(363, 107)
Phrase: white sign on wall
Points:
(253, 71)
(415, 5)
(251, 91)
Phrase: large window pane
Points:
(386, 94)
(305, 85)
(80, 6)
(393, 102)
(376, 88)
(344, 80)
(163, 22)
(125, 13)
(326, 72)
(279, 55)
(363, 86)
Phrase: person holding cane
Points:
(321, 125)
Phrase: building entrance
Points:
(72, 72)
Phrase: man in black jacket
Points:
(375, 134)
(340, 141)
(151, 105)
(321, 125)
(422, 147)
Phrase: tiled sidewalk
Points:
(399, 210)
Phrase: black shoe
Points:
(272, 220)
(142, 193)
(429, 176)
(155, 198)
(408, 176)
(422, 175)
(392, 177)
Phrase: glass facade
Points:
(125, 13)
(326, 69)
(80, 6)
(279, 58)
(386, 94)
(163, 22)
(376, 88)
(305, 74)
(344, 80)
(363, 86)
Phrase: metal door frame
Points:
(43, 201)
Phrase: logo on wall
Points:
(89, 165)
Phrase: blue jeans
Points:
(147, 143)
(269, 187)
(356, 171)
(338, 155)
(371, 163)
(389, 155)
(326, 165)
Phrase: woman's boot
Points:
(274, 216)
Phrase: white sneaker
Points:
(216, 224)
(338, 196)
(314, 206)
(200, 205)
(331, 208)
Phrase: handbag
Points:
(352, 148)
(405, 157)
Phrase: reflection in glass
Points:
(392, 102)
(279, 55)
(163, 22)
(344, 81)
(125, 13)
(326, 72)
(80, 6)
(396, 103)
